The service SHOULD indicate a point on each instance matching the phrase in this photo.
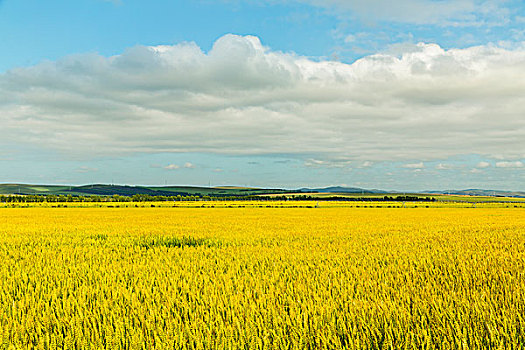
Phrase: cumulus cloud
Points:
(516, 164)
(419, 165)
(442, 166)
(314, 163)
(483, 165)
(186, 165)
(172, 167)
(332, 163)
(243, 98)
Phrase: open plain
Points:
(262, 278)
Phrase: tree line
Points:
(179, 198)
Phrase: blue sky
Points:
(416, 94)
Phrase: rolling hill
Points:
(124, 190)
(108, 190)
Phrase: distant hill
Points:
(478, 192)
(469, 192)
(109, 190)
(339, 189)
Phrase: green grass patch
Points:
(175, 242)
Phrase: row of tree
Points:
(352, 199)
(92, 199)
(149, 198)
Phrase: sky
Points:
(407, 95)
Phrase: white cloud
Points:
(331, 163)
(516, 164)
(419, 165)
(86, 169)
(242, 98)
(187, 165)
(172, 167)
(442, 166)
(483, 165)
(425, 12)
(314, 163)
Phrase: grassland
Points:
(262, 278)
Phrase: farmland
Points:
(260, 275)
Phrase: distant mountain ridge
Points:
(479, 192)
(468, 192)
(340, 189)
(126, 190)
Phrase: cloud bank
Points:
(243, 98)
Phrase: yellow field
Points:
(254, 278)
(270, 204)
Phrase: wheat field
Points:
(262, 278)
